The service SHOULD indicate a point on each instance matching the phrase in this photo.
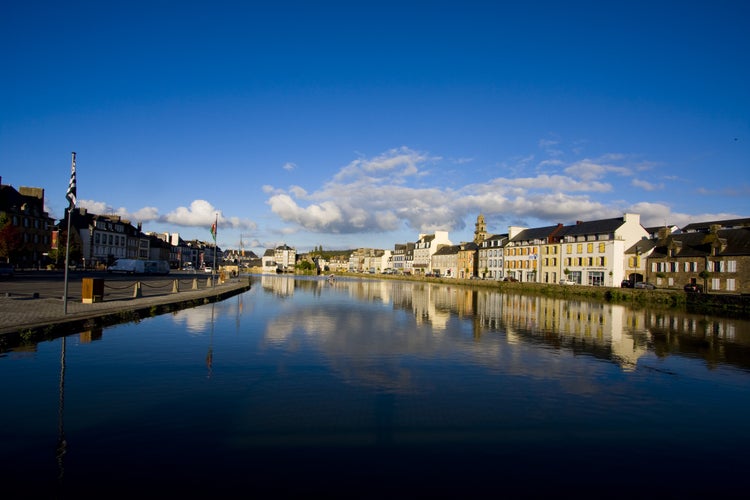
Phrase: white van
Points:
(127, 266)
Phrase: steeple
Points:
(480, 230)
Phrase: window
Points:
(731, 266)
(716, 284)
(579, 248)
(730, 284)
(570, 249)
(590, 248)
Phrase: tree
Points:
(11, 242)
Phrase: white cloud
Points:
(648, 186)
(146, 214)
(200, 213)
(289, 166)
(400, 189)
(203, 213)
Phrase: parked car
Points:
(644, 285)
(694, 288)
(566, 281)
(626, 284)
(6, 270)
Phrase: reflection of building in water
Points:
(419, 298)
(712, 338)
(88, 336)
(607, 331)
(596, 328)
(280, 285)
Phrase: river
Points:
(365, 388)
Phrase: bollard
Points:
(195, 283)
(137, 290)
(175, 286)
(209, 283)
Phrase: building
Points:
(468, 260)
(96, 241)
(523, 248)
(490, 257)
(27, 228)
(716, 258)
(593, 252)
(444, 262)
(425, 248)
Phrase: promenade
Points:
(34, 306)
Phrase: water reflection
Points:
(607, 331)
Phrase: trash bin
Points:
(92, 290)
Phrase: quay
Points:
(26, 314)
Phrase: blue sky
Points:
(364, 124)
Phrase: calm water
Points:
(382, 389)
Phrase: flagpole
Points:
(216, 231)
(67, 243)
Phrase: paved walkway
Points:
(20, 313)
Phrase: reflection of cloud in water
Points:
(528, 336)
(364, 346)
(196, 320)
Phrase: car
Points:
(626, 284)
(207, 269)
(645, 285)
(566, 281)
(7, 270)
(693, 288)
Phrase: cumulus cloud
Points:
(289, 166)
(200, 213)
(203, 213)
(403, 188)
(648, 186)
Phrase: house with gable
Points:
(714, 255)
(593, 252)
(490, 257)
(424, 248)
(523, 248)
(444, 261)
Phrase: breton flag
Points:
(213, 228)
(71, 194)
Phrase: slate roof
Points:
(726, 224)
(537, 233)
(600, 226)
(448, 250)
(733, 242)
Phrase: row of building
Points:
(30, 238)
(605, 252)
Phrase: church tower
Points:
(480, 230)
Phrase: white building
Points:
(425, 248)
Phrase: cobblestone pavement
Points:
(29, 309)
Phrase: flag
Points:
(213, 228)
(71, 194)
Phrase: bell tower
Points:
(480, 230)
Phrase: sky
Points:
(365, 124)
